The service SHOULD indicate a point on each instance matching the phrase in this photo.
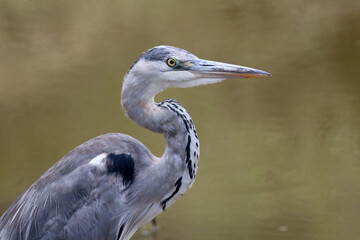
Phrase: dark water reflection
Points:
(280, 156)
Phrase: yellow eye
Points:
(171, 62)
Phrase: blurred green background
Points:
(280, 156)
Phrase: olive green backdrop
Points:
(280, 156)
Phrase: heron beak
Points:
(211, 69)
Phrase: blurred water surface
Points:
(280, 156)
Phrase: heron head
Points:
(165, 67)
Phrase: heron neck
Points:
(168, 118)
(142, 109)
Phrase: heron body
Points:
(109, 186)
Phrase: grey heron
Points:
(109, 186)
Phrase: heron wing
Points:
(75, 199)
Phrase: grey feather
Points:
(74, 198)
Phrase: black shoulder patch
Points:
(121, 164)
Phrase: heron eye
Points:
(171, 62)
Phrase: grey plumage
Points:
(109, 186)
(73, 198)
